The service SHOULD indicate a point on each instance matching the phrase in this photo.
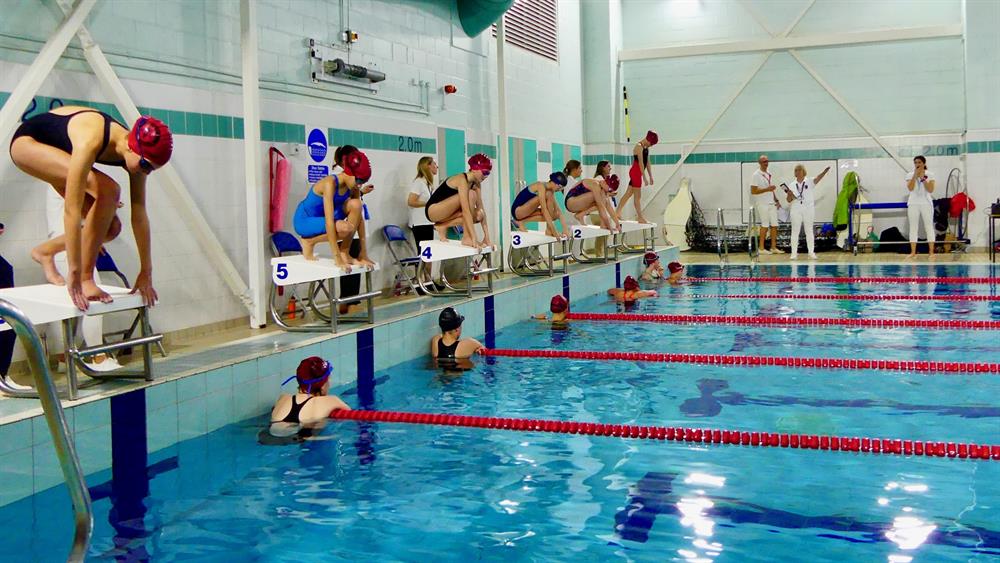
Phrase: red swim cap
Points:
(313, 372)
(650, 257)
(630, 284)
(481, 162)
(356, 164)
(613, 182)
(675, 267)
(652, 138)
(559, 304)
(151, 139)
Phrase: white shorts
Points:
(767, 214)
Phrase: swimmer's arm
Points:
(543, 204)
(434, 348)
(329, 187)
(466, 205)
(540, 317)
(602, 208)
(333, 403)
(467, 347)
(140, 230)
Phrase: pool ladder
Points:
(83, 515)
(721, 244)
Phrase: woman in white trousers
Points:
(920, 204)
(802, 199)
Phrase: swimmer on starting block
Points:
(593, 194)
(630, 292)
(60, 147)
(302, 413)
(449, 345)
(332, 212)
(537, 203)
(458, 202)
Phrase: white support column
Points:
(701, 136)
(503, 223)
(253, 162)
(166, 176)
(40, 68)
(854, 115)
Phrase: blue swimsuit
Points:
(523, 196)
(309, 220)
(578, 189)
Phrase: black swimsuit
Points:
(293, 415)
(446, 351)
(52, 129)
(443, 192)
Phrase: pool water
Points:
(422, 493)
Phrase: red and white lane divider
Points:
(867, 279)
(787, 321)
(885, 446)
(729, 360)
(848, 297)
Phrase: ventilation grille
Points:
(532, 25)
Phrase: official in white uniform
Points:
(920, 204)
(801, 196)
(765, 201)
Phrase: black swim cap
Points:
(449, 319)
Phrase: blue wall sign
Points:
(317, 145)
(317, 172)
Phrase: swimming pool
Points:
(405, 492)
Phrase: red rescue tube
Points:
(884, 446)
(923, 366)
(788, 321)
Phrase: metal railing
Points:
(752, 238)
(721, 244)
(56, 418)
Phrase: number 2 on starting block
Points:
(577, 233)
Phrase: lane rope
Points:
(754, 361)
(787, 321)
(870, 279)
(844, 444)
(848, 297)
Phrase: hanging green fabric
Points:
(847, 196)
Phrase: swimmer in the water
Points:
(61, 147)
(654, 270)
(676, 270)
(630, 292)
(450, 345)
(559, 307)
(310, 407)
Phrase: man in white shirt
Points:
(762, 195)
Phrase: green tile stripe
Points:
(803, 155)
(373, 140)
(544, 156)
(474, 148)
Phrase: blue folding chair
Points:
(404, 254)
(106, 264)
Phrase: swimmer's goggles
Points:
(310, 382)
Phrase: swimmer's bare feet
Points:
(642, 219)
(467, 240)
(442, 233)
(307, 249)
(94, 293)
(911, 256)
(579, 217)
(48, 264)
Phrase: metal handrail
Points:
(721, 244)
(752, 239)
(56, 418)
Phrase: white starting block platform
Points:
(530, 245)
(294, 270)
(586, 232)
(48, 303)
(648, 231)
(440, 250)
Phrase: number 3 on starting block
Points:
(577, 233)
(426, 253)
(281, 271)
(517, 239)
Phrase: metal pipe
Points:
(105, 348)
(55, 417)
(502, 191)
(253, 164)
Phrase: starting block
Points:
(524, 264)
(49, 303)
(439, 251)
(295, 269)
(648, 231)
(584, 232)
